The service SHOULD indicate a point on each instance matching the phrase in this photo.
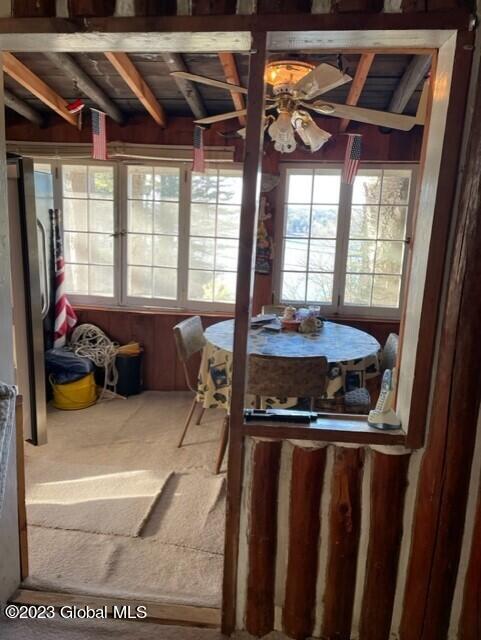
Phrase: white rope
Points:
(88, 341)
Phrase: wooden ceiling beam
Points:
(23, 108)
(22, 74)
(84, 82)
(175, 62)
(232, 77)
(357, 85)
(128, 71)
(414, 74)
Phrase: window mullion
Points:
(342, 242)
(121, 238)
(184, 230)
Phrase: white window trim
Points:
(338, 308)
(120, 299)
(57, 168)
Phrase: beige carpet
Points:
(91, 498)
(115, 508)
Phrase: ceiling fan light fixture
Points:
(286, 72)
(311, 135)
(282, 133)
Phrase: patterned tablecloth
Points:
(353, 357)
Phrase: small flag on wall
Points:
(65, 318)
(199, 159)
(99, 136)
(352, 158)
(76, 106)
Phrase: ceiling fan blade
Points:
(229, 115)
(209, 81)
(359, 114)
(221, 116)
(266, 120)
(320, 80)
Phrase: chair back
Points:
(278, 309)
(271, 376)
(389, 352)
(189, 339)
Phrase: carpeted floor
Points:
(115, 508)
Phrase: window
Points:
(213, 235)
(309, 239)
(152, 232)
(342, 246)
(149, 235)
(375, 255)
(88, 222)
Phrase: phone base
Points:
(385, 421)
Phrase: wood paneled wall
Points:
(397, 146)
(162, 370)
(334, 516)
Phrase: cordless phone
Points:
(383, 416)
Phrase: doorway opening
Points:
(111, 483)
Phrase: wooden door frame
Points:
(445, 184)
(373, 32)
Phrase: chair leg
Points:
(200, 414)
(223, 444)
(187, 422)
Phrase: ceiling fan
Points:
(293, 87)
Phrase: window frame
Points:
(338, 308)
(121, 299)
(57, 175)
(138, 301)
(199, 305)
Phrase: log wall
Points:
(334, 516)
(326, 542)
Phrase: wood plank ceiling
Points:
(384, 75)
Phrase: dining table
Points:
(353, 356)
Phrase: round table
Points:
(349, 351)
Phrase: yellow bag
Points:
(75, 395)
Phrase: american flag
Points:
(99, 138)
(352, 158)
(199, 159)
(65, 317)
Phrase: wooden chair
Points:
(189, 339)
(277, 377)
(359, 400)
